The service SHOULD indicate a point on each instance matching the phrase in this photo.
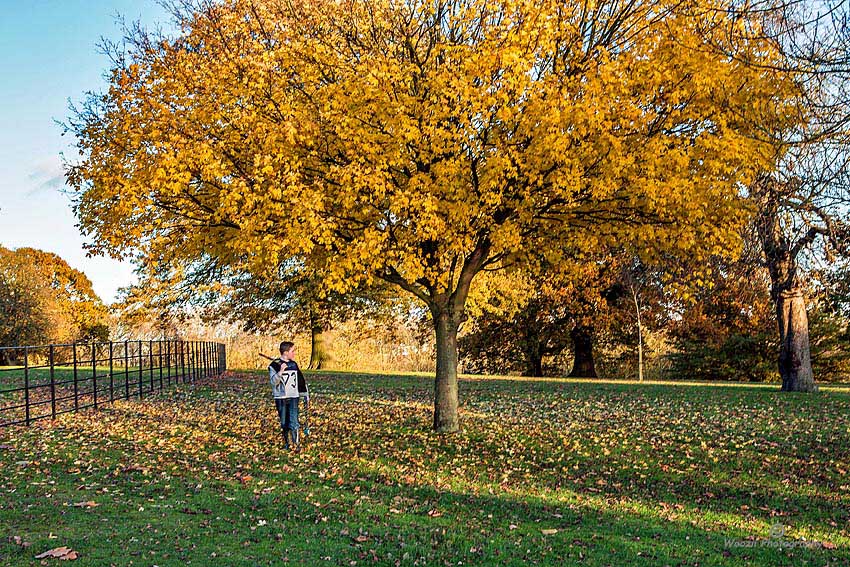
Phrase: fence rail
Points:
(44, 381)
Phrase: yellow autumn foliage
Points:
(373, 136)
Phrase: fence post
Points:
(94, 372)
(168, 361)
(141, 377)
(150, 357)
(27, 384)
(126, 370)
(111, 376)
(76, 382)
(52, 385)
(159, 355)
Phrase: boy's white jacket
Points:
(284, 378)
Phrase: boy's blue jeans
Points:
(287, 411)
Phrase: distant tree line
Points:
(44, 300)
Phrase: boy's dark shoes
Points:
(295, 444)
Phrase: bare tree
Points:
(802, 205)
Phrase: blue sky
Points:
(48, 55)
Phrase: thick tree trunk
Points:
(795, 366)
(318, 348)
(532, 344)
(445, 383)
(447, 313)
(582, 336)
(534, 362)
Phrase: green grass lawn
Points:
(72, 389)
(544, 472)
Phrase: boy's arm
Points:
(274, 376)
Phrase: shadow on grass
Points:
(448, 527)
(308, 522)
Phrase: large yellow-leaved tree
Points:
(421, 142)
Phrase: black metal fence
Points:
(41, 382)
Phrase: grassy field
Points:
(71, 389)
(544, 472)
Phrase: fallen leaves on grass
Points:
(717, 459)
(19, 541)
(63, 553)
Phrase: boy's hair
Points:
(285, 346)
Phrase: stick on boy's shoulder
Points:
(276, 365)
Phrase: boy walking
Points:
(288, 386)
